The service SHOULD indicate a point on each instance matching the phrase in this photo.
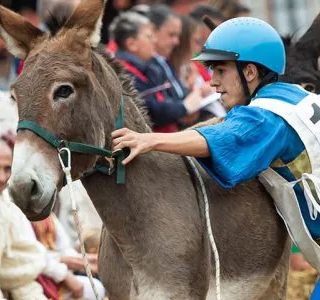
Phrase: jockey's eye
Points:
(63, 91)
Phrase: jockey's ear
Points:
(87, 20)
(17, 33)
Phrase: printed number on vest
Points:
(316, 113)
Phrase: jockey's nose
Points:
(214, 82)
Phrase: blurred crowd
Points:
(155, 44)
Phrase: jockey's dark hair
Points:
(159, 14)
(202, 10)
(126, 25)
(262, 70)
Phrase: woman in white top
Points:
(22, 257)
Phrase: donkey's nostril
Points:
(34, 188)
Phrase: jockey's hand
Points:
(137, 142)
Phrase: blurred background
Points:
(289, 17)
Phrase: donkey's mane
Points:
(126, 81)
(56, 22)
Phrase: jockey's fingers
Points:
(131, 156)
(125, 144)
(120, 132)
(123, 138)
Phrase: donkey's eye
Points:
(63, 91)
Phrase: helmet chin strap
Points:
(270, 77)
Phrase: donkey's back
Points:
(174, 261)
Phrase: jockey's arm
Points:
(189, 143)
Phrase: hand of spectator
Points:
(193, 100)
(92, 258)
(74, 285)
(73, 263)
(298, 262)
(77, 263)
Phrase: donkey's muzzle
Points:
(36, 201)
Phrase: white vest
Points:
(304, 118)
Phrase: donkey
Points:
(303, 59)
(154, 241)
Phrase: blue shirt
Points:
(251, 139)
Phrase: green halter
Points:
(83, 148)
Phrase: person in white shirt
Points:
(22, 257)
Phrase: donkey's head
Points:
(67, 89)
(303, 60)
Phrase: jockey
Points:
(272, 129)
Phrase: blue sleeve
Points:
(244, 145)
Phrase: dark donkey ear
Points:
(87, 19)
(17, 33)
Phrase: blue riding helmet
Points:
(245, 39)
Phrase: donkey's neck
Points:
(118, 85)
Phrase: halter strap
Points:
(83, 148)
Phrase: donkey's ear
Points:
(87, 18)
(17, 33)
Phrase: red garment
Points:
(20, 67)
(112, 46)
(202, 71)
(166, 128)
(50, 288)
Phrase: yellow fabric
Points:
(301, 164)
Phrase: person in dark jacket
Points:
(134, 37)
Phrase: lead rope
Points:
(67, 171)
(209, 229)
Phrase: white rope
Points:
(67, 171)
(313, 205)
(209, 229)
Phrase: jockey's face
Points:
(226, 80)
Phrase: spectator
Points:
(89, 218)
(22, 258)
(134, 36)
(168, 29)
(63, 261)
(297, 260)
(233, 9)
(180, 58)
(9, 66)
(188, 72)
(198, 13)
(202, 10)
